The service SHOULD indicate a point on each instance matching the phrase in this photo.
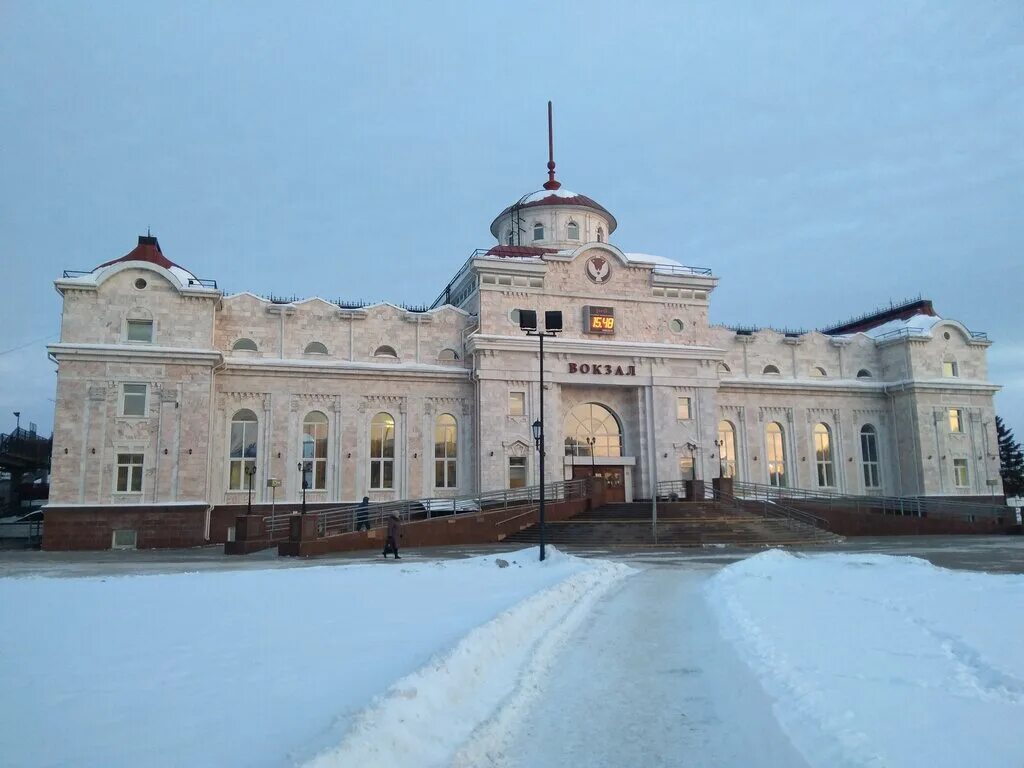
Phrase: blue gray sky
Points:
(823, 158)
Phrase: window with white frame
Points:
(727, 448)
(314, 450)
(133, 399)
(683, 408)
(956, 420)
(382, 452)
(516, 471)
(538, 231)
(950, 369)
(823, 458)
(140, 331)
(960, 478)
(572, 230)
(242, 450)
(775, 443)
(129, 472)
(446, 445)
(315, 348)
(516, 403)
(869, 457)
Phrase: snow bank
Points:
(876, 660)
(254, 667)
(460, 709)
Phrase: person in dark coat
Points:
(394, 533)
(363, 515)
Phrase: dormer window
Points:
(572, 230)
(600, 234)
(538, 231)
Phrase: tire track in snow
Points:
(427, 716)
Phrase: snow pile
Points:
(879, 660)
(268, 667)
(466, 703)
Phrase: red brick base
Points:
(156, 526)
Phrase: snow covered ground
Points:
(874, 660)
(778, 660)
(273, 667)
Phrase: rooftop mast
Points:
(551, 183)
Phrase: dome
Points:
(555, 197)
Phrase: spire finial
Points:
(551, 183)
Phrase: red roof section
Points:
(518, 251)
(554, 199)
(148, 249)
(874, 319)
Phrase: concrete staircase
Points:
(690, 524)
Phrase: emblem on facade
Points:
(598, 269)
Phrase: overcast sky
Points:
(821, 157)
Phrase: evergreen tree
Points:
(1011, 460)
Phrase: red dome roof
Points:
(546, 197)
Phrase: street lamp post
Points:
(17, 429)
(593, 461)
(250, 472)
(552, 326)
(304, 467)
(720, 444)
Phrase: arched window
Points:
(818, 372)
(382, 452)
(314, 451)
(775, 443)
(600, 234)
(771, 370)
(592, 430)
(726, 449)
(823, 456)
(869, 457)
(510, 238)
(448, 355)
(385, 351)
(242, 450)
(864, 373)
(723, 368)
(315, 348)
(446, 446)
(244, 345)
(572, 230)
(538, 231)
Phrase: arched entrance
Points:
(593, 440)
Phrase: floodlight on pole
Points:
(552, 326)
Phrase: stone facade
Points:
(671, 379)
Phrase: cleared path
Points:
(648, 682)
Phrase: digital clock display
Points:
(599, 320)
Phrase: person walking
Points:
(363, 515)
(394, 533)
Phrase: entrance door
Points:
(614, 480)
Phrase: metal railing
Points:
(913, 506)
(201, 281)
(353, 517)
(767, 508)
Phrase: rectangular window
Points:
(516, 403)
(516, 471)
(140, 331)
(133, 399)
(129, 473)
(950, 370)
(124, 539)
(686, 468)
(683, 408)
(956, 420)
(960, 479)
